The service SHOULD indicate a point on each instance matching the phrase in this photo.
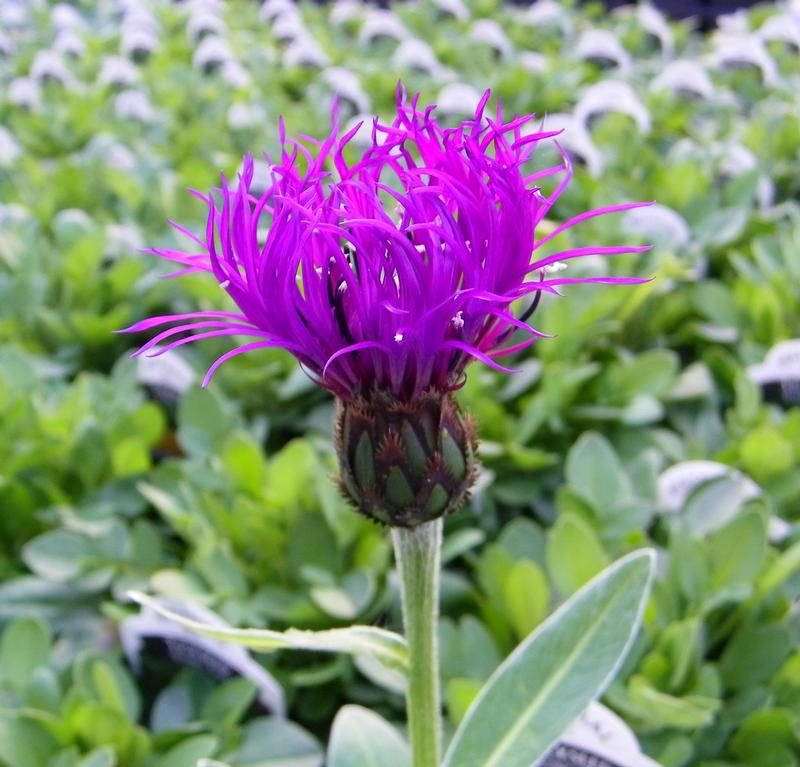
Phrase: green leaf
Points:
(574, 554)
(467, 649)
(679, 644)
(244, 463)
(595, 472)
(220, 569)
(754, 654)
(384, 646)
(527, 597)
(766, 453)
(688, 565)
(202, 422)
(188, 752)
(493, 568)
(347, 600)
(97, 725)
(291, 475)
(273, 742)
(43, 690)
(766, 738)
(737, 551)
(523, 539)
(172, 708)
(130, 456)
(67, 758)
(58, 555)
(392, 679)
(714, 503)
(722, 226)
(555, 673)
(662, 710)
(361, 738)
(101, 757)
(24, 647)
(311, 543)
(652, 372)
(228, 703)
(459, 694)
(24, 744)
(643, 409)
(780, 570)
(108, 682)
(460, 542)
(116, 689)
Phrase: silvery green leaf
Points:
(595, 472)
(556, 672)
(25, 646)
(361, 738)
(384, 646)
(275, 742)
(101, 757)
(188, 752)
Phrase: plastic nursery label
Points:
(149, 634)
(167, 376)
(779, 374)
(677, 482)
(599, 738)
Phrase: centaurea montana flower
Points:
(385, 277)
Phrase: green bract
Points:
(405, 463)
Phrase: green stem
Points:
(418, 554)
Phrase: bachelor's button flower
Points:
(385, 277)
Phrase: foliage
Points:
(222, 497)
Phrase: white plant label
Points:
(779, 374)
(677, 482)
(599, 738)
(150, 633)
(169, 375)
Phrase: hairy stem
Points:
(418, 555)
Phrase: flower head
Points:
(391, 273)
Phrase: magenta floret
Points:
(390, 274)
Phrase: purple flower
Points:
(390, 273)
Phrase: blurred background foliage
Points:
(118, 474)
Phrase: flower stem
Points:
(418, 555)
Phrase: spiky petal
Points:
(391, 273)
